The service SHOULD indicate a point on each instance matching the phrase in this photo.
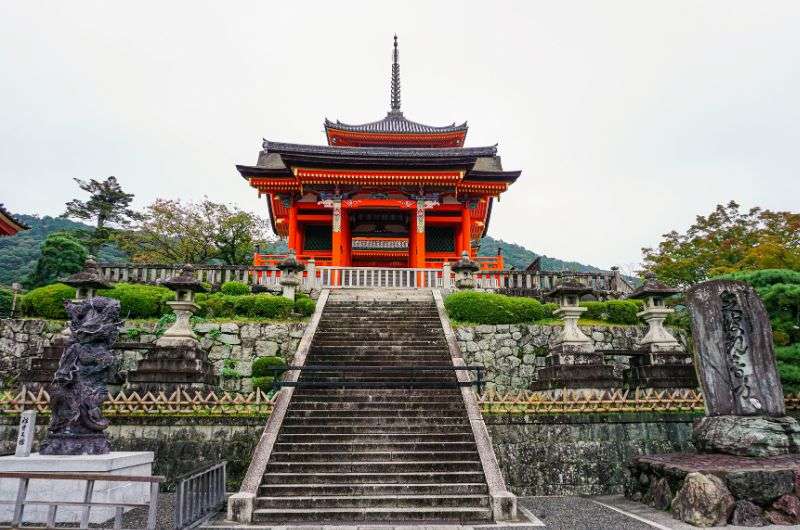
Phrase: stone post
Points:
(16, 289)
(447, 272)
(311, 270)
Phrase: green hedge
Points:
(235, 288)
(219, 305)
(261, 365)
(613, 311)
(303, 305)
(490, 308)
(140, 301)
(47, 301)
(262, 377)
(789, 367)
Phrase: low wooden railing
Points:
(374, 277)
(85, 506)
(179, 402)
(492, 402)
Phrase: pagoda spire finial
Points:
(395, 78)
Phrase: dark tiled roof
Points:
(380, 152)
(5, 213)
(395, 122)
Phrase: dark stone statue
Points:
(79, 386)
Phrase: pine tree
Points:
(61, 256)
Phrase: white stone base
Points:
(139, 463)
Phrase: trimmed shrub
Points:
(235, 288)
(789, 367)
(613, 311)
(490, 308)
(303, 305)
(140, 301)
(261, 366)
(271, 306)
(47, 301)
(263, 383)
(216, 305)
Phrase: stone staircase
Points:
(386, 444)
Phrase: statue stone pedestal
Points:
(172, 367)
(138, 463)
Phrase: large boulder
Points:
(760, 486)
(747, 435)
(703, 500)
(661, 494)
(747, 513)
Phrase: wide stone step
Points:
(378, 421)
(345, 477)
(376, 456)
(376, 429)
(379, 412)
(373, 515)
(377, 394)
(374, 437)
(355, 447)
(381, 343)
(395, 379)
(373, 501)
(282, 490)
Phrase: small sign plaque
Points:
(27, 431)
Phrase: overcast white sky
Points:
(626, 118)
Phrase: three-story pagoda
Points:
(390, 193)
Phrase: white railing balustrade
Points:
(374, 277)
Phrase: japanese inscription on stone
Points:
(734, 352)
(27, 428)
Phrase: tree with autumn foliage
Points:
(174, 232)
(726, 241)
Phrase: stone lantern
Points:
(87, 281)
(569, 293)
(465, 270)
(662, 361)
(185, 286)
(291, 274)
(655, 312)
(572, 362)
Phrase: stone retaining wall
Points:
(21, 339)
(512, 353)
(539, 455)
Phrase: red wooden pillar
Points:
(294, 236)
(418, 235)
(337, 238)
(466, 225)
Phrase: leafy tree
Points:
(108, 205)
(61, 255)
(174, 232)
(725, 241)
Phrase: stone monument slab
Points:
(734, 351)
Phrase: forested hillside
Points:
(520, 257)
(18, 254)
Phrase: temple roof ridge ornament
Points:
(395, 129)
